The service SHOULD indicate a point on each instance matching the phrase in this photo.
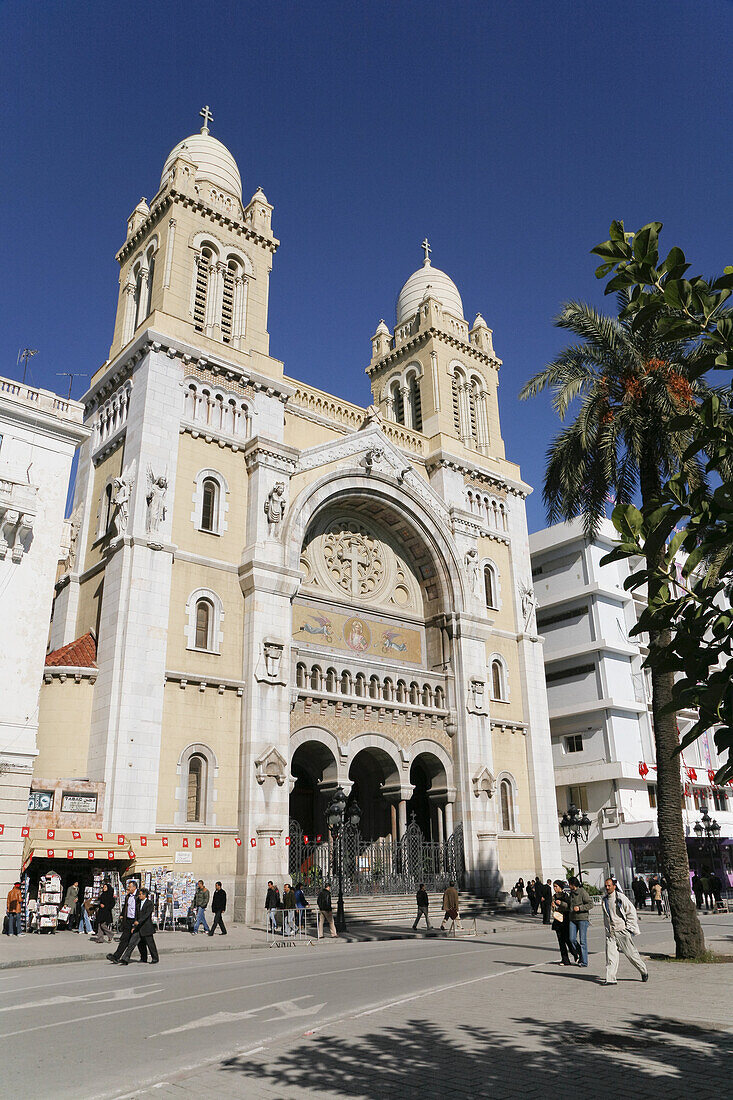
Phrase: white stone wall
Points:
(39, 435)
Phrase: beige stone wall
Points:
(303, 433)
(63, 727)
(193, 716)
(109, 467)
(227, 664)
(510, 755)
(516, 858)
(512, 710)
(346, 721)
(195, 455)
(499, 554)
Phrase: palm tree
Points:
(630, 386)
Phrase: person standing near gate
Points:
(272, 904)
(218, 906)
(325, 912)
(581, 904)
(422, 906)
(143, 930)
(621, 924)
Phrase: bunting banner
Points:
(287, 841)
(217, 842)
(144, 841)
(165, 842)
(50, 834)
(76, 836)
(691, 773)
(99, 836)
(120, 839)
(2, 829)
(110, 855)
(25, 831)
(197, 842)
(90, 854)
(711, 775)
(49, 853)
(131, 854)
(272, 841)
(69, 853)
(185, 842)
(318, 840)
(643, 769)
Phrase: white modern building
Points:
(599, 699)
(39, 433)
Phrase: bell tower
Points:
(196, 261)
(435, 373)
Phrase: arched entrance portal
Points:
(314, 769)
(374, 777)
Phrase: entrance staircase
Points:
(401, 909)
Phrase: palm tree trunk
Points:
(688, 935)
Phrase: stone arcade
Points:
(288, 592)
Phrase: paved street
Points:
(492, 1016)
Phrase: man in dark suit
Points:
(218, 906)
(143, 929)
(129, 910)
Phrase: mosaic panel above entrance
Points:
(358, 635)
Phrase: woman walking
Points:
(560, 908)
(105, 905)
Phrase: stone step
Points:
(384, 908)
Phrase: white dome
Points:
(415, 289)
(213, 161)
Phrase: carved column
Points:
(407, 407)
(128, 327)
(449, 827)
(169, 253)
(402, 811)
(142, 302)
(239, 320)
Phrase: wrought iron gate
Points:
(376, 866)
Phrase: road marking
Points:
(132, 993)
(233, 989)
(286, 1010)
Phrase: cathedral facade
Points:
(289, 593)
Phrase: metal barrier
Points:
(289, 927)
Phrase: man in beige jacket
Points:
(450, 906)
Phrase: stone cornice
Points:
(443, 462)
(172, 198)
(421, 338)
(202, 681)
(151, 340)
(268, 452)
(76, 673)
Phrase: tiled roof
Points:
(81, 653)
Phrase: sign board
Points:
(78, 803)
(184, 857)
(40, 800)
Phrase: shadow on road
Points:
(651, 1056)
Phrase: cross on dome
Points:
(207, 116)
(427, 250)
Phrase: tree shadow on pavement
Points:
(651, 1057)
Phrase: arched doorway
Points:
(419, 804)
(314, 769)
(372, 770)
(430, 788)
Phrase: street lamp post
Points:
(338, 816)
(574, 824)
(710, 829)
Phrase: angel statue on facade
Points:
(529, 603)
(157, 488)
(121, 492)
(275, 507)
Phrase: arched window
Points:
(345, 683)
(398, 404)
(315, 678)
(388, 690)
(301, 675)
(506, 798)
(361, 685)
(196, 788)
(456, 392)
(498, 680)
(374, 687)
(413, 392)
(149, 287)
(210, 502)
(209, 505)
(105, 511)
(490, 586)
(227, 304)
(439, 698)
(331, 680)
(205, 612)
(203, 624)
(201, 287)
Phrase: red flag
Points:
(165, 841)
(692, 774)
(110, 855)
(50, 834)
(287, 841)
(185, 842)
(318, 839)
(711, 774)
(49, 853)
(643, 769)
(76, 836)
(120, 839)
(131, 854)
(143, 841)
(99, 836)
(25, 831)
(272, 841)
(69, 853)
(2, 829)
(217, 842)
(305, 839)
(197, 842)
(90, 855)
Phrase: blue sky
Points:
(510, 133)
